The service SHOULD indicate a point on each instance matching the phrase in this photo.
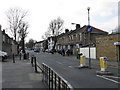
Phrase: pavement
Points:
(20, 74)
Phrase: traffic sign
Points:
(116, 43)
(89, 28)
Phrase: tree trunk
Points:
(55, 41)
(23, 45)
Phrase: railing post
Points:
(32, 60)
(59, 83)
(35, 64)
(43, 72)
(65, 86)
(28, 56)
(48, 75)
(55, 82)
(49, 79)
(13, 58)
(52, 79)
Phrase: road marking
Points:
(58, 62)
(108, 79)
(112, 77)
(70, 66)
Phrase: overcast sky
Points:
(103, 14)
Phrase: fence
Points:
(51, 78)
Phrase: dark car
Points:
(36, 50)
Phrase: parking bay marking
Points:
(108, 79)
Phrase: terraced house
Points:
(78, 38)
(7, 44)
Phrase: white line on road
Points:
(70, 66)
(58, 62)
(108, 79)
(112, 77)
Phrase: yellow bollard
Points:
(103, 63)
(82, 61)
(103, 66)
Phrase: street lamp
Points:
(89, 36)
(88, 15)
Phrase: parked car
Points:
(37, 50)
(3, 54)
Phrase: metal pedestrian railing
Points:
(54, 80)
(50, 77)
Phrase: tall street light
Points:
(89, 35)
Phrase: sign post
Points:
(89, 30)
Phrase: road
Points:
(78, 78)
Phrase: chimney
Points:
(66, 30)
(77, 26)
(4, 31)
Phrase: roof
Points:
(94, 30)
(83, 29)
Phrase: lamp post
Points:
(88, 15)
(89, 36)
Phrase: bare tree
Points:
(15, 16)
(46, 35)
(56, 26)
(30, 43)
(23, 27)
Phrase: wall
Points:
(105, 46)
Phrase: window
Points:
(71, 37)
(80, 36)
(3, 38)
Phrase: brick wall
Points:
(105, 46)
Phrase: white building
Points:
(39, 45)
(50, 43)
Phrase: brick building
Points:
(105, 46)
(7, 44)
(78, 38)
